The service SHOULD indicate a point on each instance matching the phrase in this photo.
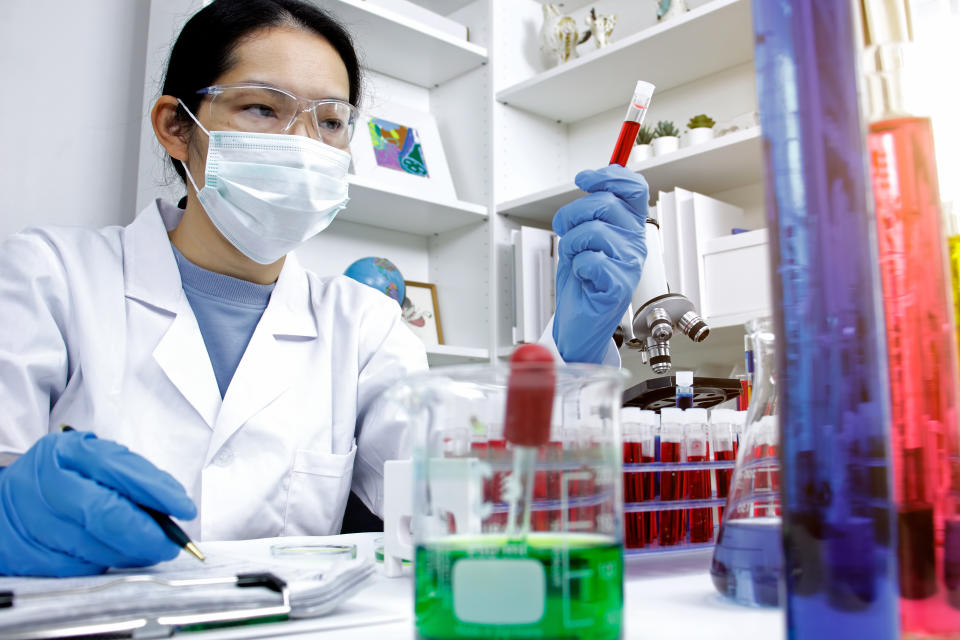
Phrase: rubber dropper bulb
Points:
(529, 396)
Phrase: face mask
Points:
(268, 193)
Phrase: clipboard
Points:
(162, 624)
(168, 600)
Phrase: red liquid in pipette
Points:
(628, 135)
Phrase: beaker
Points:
(477, 574)
(747, 560)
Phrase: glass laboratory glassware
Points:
(696, 444)
(748, 558)
(476, 575)
(833, 410)
(673, 524)
(920, 332)
(723, 448)
(952, 223)
(639, 427)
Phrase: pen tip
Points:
(192, 548)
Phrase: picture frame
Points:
(421, 313)
(399, 148)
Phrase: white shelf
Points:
(398, 46)
(380, 207)
(440, 355)
(733, 160)
(716, 36)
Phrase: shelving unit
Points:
(515, 133)
(397, 46)
(706, 40)
(376, 206)
(727, 162)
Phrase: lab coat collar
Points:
(272, 360)
(151, 274)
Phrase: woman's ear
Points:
(170, 130)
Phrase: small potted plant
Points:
(666, 138)
(699, 129)
(641, 150)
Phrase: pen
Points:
(170, 528)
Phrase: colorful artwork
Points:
(397, 147)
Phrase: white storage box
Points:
(736, 283)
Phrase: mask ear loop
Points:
(182, 163)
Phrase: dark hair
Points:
(205, 47)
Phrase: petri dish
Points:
(321, 553)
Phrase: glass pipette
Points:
(632, 122)
(527, 426)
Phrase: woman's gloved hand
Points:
(68, 507)
(602, 250)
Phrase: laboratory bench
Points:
(666, 597)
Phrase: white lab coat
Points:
(96, 332)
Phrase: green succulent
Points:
(666, 128)
(645, 135)
(702, 121)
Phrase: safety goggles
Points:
(260, 108)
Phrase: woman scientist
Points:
(225, 385)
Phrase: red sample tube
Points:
(696, 442)
(632, 123)
(672, 483)
(723, 437)
(638, 439)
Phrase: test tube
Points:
(767, 479)
(695, 440)
(723, 436)
(740, 422)
(637, 485)
(671, 482)
(684, 391)
(636, 112)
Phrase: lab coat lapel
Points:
(279, 350)
(152, 278)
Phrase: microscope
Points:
(655, 312)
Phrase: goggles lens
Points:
(268, 110)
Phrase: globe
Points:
(379, 273)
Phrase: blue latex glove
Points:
(67, 508)
(602, 250)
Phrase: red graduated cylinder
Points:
(529, 396)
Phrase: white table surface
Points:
(665, 598)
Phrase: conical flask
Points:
(748, 558)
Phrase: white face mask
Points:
(268, 193)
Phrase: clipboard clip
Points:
(160, 626)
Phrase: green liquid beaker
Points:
(477, 575)
(546, 586)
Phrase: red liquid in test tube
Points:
(723, 435)
(672, 483)
(698, 481)
(638, 434)
(632, 122)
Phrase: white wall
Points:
(72, 75)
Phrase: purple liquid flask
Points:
(837, 511)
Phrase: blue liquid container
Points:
(748, 561)
(748, 558)
(834, 411)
